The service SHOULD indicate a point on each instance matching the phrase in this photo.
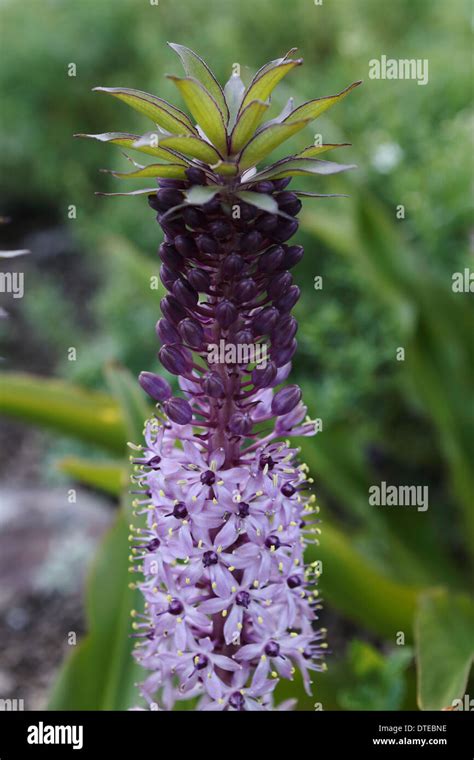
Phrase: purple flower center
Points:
(208, 478)
(153, 545)
(237, 701)
(287, 489)
(272, 649)
(201, 662)
(272, 542)
(242, 598)
(294, 581)
(154, 462)
(210, 558)
(244, 509)
(175, 607)
(180, 511)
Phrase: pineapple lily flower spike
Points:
(225, 506)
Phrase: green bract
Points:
(227, 135)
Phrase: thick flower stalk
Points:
(224, 506)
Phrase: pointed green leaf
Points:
(314, 108)
(246, 125)
(200, 194)
(293, 167)
(316, 150)
(204, 109)
(267, 140)
(88, 415)
(128, 140)
(110, 476)
(265, 81)
(234, 92)
(196, 68)
(158, 110)
(187, 144)
(444, 635)
(225, 168)
(100, 672)
(142, 191)
(171, 171)
(260, 200)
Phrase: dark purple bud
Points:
(178, 410)
(191, 332)
(176, 359)
(157, 387)
(263, 378)
(185, 245)
(267, 224)
(167, 276)
(177, 184)
(221, 229)
(172, 309)
(247, 212)
(199, 279)
(265, 320)
(272, 649)
(194, 218)
(279, 284)
(280, 184)
(285, 230)
(252, 241)
(287, 489)
(289, 203)
(226, 314)
(284, 331)
(243, 337)
(293, 255)
(170, 256)
(185, 293)
(245, 290)
(286, 399)
(233, 265)
(196, 176)
(263, 187)
(167, 198)
(207, 244)
(212, 207)
(213, 385)
(288, 299)
(171, 229)
(282, 356)
(166, 331)
(271, 259)
(240, 423)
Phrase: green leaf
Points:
(127, 140)
(171, 171)
(316, 150)
(100, 672)
(107, 476)
(204, 109)
(293, 167)
(131, 399)
(193, 146)
(88, 415)
(374, 681)
(246, 125)
(159, 111)
(234, 92)
(444, 635)
(314, 108)
(267, 140)
(196, 68)
(265, 80)
(260, 200)
(200, 194)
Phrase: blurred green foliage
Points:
(386, 284)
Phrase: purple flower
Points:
(224, 506)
